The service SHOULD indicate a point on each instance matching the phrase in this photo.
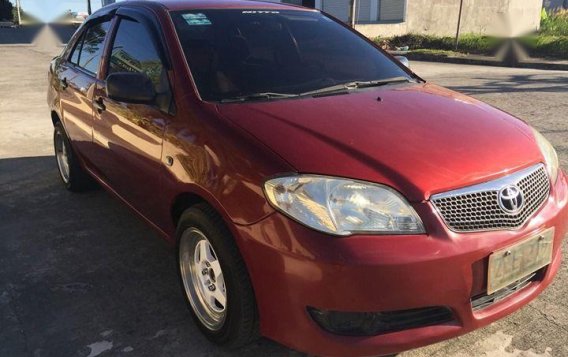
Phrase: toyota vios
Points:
(318, 191)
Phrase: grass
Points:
(538, 45)
(546, 46)
(552, 39)
(550, 42)
(470, 43)
(554, 23)
(438, 53)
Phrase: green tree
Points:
(6, 10)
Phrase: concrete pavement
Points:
(82, 276)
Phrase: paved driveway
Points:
(81, 276)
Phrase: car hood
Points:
(420, 139)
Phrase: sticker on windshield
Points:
(260, 12)
(198, 19)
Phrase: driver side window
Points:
(133, 51)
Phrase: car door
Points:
(128, 137)
(77, 78)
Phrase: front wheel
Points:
(214, 279)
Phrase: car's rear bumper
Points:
(293, 267)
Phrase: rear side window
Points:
(93, 45)
(133, 51)
(75, 55)
(89, 49)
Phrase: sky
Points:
(47, 10)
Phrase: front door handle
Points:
(99, 105)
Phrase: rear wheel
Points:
(72, 174)
(214, 279)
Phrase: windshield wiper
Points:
(379, 82)
(334, 89)
(345, 87)
(258, 96)
(342, 88)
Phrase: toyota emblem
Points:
(511, 199)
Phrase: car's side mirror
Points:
(403, 60)
(130, 87)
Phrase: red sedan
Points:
(318, 191)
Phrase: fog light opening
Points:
(376, 323)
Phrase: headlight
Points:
(343, 206)
(550, 156)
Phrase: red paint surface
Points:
(296, 267)
(419, 139)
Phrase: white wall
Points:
(505, 18)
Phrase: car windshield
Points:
(275, 54)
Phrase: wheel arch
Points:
(184, 201)
(188, 199)
(55, 118)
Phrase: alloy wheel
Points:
(61, 153)
(203, 279)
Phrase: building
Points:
(506, 18)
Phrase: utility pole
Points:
(18, 11)
(459, 24)
(353, 12)
(89, 7)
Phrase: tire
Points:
(235, 323)
(72, 174)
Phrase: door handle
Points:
(64, 83)
(99, 105)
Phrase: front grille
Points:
(482, 301)
(476, 208)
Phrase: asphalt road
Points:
(80, 275)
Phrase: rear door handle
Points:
(99, 105)
(64, 83)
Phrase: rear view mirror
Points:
(403, 60)
(130, 87)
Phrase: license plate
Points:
(517, 261)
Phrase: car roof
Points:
(177, 5)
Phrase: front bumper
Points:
(293, 267)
